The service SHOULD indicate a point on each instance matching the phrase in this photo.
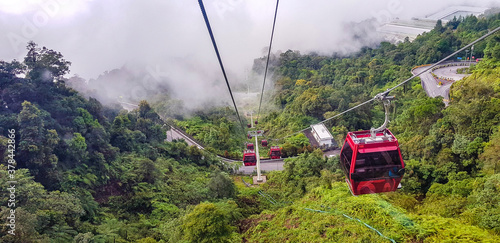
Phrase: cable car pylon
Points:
(259, 179)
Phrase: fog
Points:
(164, 44)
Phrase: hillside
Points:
(90, 173)
(450, 192)
(451, 185)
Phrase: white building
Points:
(322, 135)
(398, 29)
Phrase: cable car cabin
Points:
(264, 143)
(372, 164)
(250, 146)
(275, 152)
(249, 158)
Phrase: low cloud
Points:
(132, 36)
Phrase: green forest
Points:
(87, 172)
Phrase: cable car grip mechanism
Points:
(387, 102)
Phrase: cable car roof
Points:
(367, 144)
(249, 152)
(377, 149)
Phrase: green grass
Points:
(293, 223)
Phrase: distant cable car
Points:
(249, 125)
(275, 152)
(250, 146)
(371, 160)
(264, 143)
(249, 158)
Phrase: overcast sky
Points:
(100, 35)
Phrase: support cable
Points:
(202, 7)
(267, 62)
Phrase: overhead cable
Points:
(268, 56)
(202, 7)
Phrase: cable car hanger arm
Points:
(387, 102)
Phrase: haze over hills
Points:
(170, 38)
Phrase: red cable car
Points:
(275, 152)
(249, 158)
(372, 162)
(264, 143)
(250, 146)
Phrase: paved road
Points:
(430, 85)
(173, 133)
(264, 166)
(128, 106)
(332, 153)
(450, 72)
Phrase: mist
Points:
(164, 45)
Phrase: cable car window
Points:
(250, 159)
(377, 159)
(376, 165)
(346, 156)
(275, 153)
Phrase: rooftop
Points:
(398, 29)
(364, 137)
(456, 11)
(322, 132)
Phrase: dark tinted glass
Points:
(370, 166)
(249, 159)
(377, 159)
(345, 157)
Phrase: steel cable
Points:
(267, 62)
(202, 7)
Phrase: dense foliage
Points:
(218, 130)
(450, 190)
(89, 173)
(313, 87)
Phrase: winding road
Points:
(431, 86)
